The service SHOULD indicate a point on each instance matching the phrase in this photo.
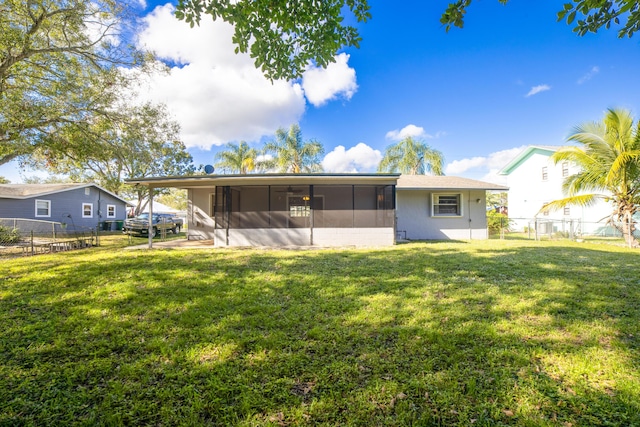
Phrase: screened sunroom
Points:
(290, 209)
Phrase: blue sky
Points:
(512, 77)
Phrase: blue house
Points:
(81, 206)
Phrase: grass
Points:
(446, 333)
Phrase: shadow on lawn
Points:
(427, 334)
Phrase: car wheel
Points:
(176, 229)
(154, 232)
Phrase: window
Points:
(87, 210)
(567, 210)
(87, 191)
(545, 173)
(546, 211)
(111, 211)
(43, 208)
(447, 205)
(299, 207)
(565, 169)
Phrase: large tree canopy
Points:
(58, 61)
(609, 161)
(139, 142)
(283, 37)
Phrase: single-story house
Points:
(80, 206)
(329, 209)
(442, 207)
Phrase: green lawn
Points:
(487, 333)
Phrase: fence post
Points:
(97, 235)
(32, 250)
(630, 233)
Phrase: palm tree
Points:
(238, 158)
(609, 161)
(291, 155)
(412, 157)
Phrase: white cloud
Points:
(592, 72)
(488, 166)
(218, 96)
(360, 158)
(537, 89)
(337, 80)
(409, 130)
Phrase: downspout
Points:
(150, 229)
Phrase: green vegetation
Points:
(447, 333)
(412, 157)
(284, 37)
(609, 162)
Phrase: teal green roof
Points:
(525, 154)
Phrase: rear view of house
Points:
(330, 209)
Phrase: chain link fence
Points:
(557, 229)
(20, 237)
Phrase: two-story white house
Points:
(534, 179)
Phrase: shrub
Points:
(9, 235)
(497, 222)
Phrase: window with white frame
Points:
(545, 173)
(447, 205)
(43, 208)
(111, 211)
(87, 210)
(565, 169)
(567, 210)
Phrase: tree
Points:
(4, 180)
(592, 15)
(58, 66)
(609, 161)
(412, 157)
(291, 154)
(175, 198)
(237, 158)
(141, 142)
(284, 37)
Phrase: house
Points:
(328, 209)
(534, 179)
(79, 206)
(442, 207)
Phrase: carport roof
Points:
(267, 179)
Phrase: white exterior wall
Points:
(200, 224)
(322, 237)
(415, 220)
(378, 236)
(528, 192)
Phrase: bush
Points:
(9, 235)
(497, 222)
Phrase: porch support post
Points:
(311, 203)
(150, 229)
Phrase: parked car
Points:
(161, 222)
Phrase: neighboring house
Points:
(77, 205)
(534, 179)
(329, 209)
(442, 207)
